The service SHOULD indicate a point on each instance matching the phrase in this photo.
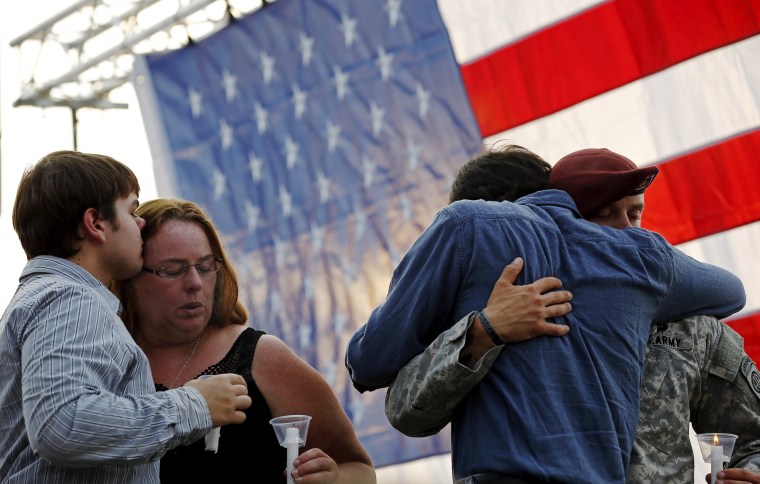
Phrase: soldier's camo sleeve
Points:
(422, 398)
(731, 400)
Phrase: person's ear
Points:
(93, 225)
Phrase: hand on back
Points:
(519, 313)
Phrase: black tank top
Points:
(250, 449)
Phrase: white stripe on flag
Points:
(477, 27)
(693, 104)
(734, 250)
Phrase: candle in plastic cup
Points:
(291, 433)
(716, 449)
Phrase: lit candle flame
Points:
(716, 440)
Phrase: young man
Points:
(550, 409)
(695, 368)
(77, 402)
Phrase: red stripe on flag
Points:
(598, 50)
(706, 192)
(749, 328)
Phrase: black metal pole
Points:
(74, 122)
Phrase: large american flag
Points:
(323, 135)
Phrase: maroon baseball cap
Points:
(598, 177)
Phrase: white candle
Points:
(716, 461)
(291, 444)
(212, 440)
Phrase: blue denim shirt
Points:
(551, 408)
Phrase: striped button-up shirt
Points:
(77, 400)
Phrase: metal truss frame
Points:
(78, 57)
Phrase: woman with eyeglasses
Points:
(183, 311)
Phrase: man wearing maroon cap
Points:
(601, 183)
(695, 369)
(493, 461)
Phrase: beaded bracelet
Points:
(489, 329)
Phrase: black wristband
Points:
(489, 329)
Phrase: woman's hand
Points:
(315, 466)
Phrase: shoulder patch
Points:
(749, 370)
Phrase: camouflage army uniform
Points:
(695, 370)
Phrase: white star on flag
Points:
(229, 80)
(255, 164)
(348, 27)
(262, 117)
(220, 184)
(333, 134)
(384, 61)
(423, 99)
(360, 222)
(251, 216)
(195, 100)
(299, 101)
(291, 152)
(376, 114)
(225, 133)
(393, 7)
(286, 202)
(317, 236)
(306, 46)
(340, 80)
(280, 251)
(368, 171)
(267, 68)
(323, 186)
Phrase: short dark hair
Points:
(498, 174)
(54, 194)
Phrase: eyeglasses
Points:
(174, 270)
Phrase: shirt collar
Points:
(57, 266)
(551, 197)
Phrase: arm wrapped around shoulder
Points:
(700, 288)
